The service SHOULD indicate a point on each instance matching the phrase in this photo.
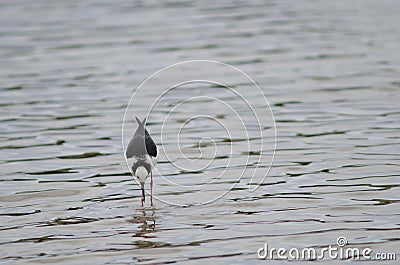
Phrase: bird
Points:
(142, 155)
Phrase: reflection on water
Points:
(330, 71)
(146, 220)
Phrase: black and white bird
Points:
(142, 156)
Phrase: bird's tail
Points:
(140, 123)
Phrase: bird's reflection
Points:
(146, 219)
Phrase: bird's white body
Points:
(134, 159)
(152, 160)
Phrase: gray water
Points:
(330, 71)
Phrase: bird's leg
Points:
(143, 196)
(151, 188)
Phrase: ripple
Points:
(54, 172)
(331, 74)
(84, 155)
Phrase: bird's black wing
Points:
(150, 145)
(136, 146)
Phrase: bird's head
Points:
(141, 173)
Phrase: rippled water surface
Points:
(330, 70)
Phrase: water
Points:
(329, 69)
